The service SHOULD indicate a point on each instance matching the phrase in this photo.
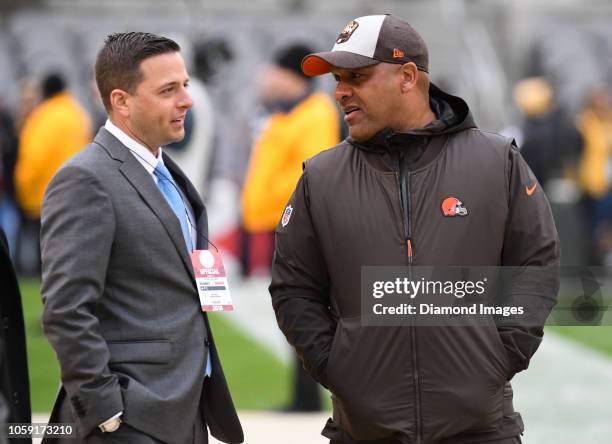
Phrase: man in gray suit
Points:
(138, 361)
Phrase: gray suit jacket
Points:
(121, 307)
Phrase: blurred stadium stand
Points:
(478, 48)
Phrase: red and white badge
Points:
(211, 281)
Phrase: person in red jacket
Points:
(415, 184)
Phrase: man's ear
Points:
(410, 76)
(119, 100)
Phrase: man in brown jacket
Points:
(416, 183)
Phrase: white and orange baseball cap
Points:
(370, 40)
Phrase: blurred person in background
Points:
(9, 213)
(595, 171)
(22, 239)
(301, 123)
(547, 139)
(54, 131)
(29, 98)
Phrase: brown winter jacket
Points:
(380, 203)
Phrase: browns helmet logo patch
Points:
(451, 206)
(347, 32)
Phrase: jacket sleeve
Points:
(530, 260)
(77, 231)
(300, 285)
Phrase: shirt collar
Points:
(140, 152)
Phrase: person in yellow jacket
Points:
(301, 124)
(595, 123)
(56, 130)
(595, 171)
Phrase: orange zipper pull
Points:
(409, 244)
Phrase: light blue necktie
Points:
(169, 189)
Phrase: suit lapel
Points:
(144, 184)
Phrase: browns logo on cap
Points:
(347, 32)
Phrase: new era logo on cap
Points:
(368, 40)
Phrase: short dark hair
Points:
(52, 85)
(290, 57)
(118, 62)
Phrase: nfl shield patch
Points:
(286, 215)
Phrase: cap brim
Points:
(322, 62)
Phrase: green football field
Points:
(257, 379)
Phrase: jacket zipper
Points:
(404, 186)
(404, 177)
